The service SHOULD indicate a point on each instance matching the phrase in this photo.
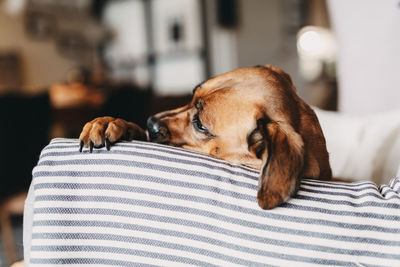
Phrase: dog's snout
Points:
(158, 132)
(153, 127)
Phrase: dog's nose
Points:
(153, 127)
(158, 131)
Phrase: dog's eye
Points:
(198, 125)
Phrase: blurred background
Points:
(64, 62)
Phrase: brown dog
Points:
(250, 116)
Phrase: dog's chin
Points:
(161, 141)
(158, 138)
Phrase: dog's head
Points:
(251, 116)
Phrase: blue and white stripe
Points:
(154, 205)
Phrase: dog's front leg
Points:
(105, 131)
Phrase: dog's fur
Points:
(250, 116)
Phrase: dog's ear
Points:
(281, 150)
(282, 74)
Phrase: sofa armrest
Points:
(144, 203)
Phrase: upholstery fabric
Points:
(144, 204)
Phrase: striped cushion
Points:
(149, 204)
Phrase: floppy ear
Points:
(282, 152)
(283, 74)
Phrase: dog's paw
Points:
(105, 131)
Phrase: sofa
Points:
(145, 204)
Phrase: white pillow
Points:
(362, 147)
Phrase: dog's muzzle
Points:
(158, 131)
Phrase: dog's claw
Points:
(91, 145)
(108, 144)
(81, 146)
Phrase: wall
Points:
(259, 39)
(260, 33)
(266, 34)
(369, 59)
(41, 63)
(178, 66)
